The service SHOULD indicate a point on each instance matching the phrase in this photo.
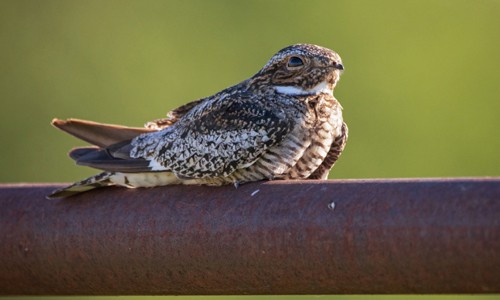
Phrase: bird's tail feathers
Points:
(97, 181)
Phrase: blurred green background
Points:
(420, 91)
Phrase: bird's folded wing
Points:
(216, 137)
(213, 139)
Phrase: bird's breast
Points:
(324, 118)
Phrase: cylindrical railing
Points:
(303, 237)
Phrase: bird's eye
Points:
(295, 61)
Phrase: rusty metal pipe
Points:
(308, 237)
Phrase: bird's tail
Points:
(97, 181)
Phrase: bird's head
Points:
(302, 69)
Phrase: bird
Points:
(283, 123)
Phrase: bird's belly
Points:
(311, 159)
(150, 179)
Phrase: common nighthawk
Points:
(282, 123)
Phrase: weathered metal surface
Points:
(314, 237)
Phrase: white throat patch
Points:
(296, 91)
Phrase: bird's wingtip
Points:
(57, 122)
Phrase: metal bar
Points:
(305, 237)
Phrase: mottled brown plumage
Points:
(282, 123)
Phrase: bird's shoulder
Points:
(173, 116)
(178, 113)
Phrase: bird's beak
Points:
(339, 67)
